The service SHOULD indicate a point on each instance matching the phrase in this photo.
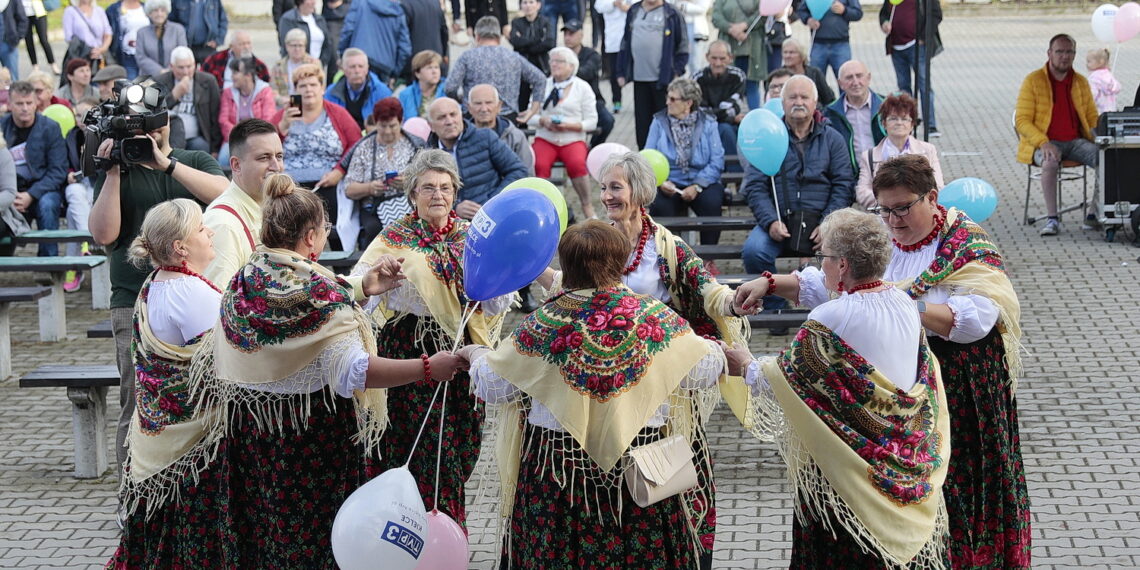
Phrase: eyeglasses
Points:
(899, 212)
(819, 257)
(897, 119)
(432, 191)
(328, 227)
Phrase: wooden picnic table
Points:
(53, 310)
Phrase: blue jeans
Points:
(568, 9)
(751, 88)
(728, 135)
(10, 58)
(760, 253)
(47, 210)
(904, 71)
(131, 65)
(830, 54)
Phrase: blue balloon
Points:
(511, 241)
(763, 139)
(974, 196)
(818, 8)
(776, 106)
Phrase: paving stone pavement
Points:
(1079, 300)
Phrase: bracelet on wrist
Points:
(771, 282)
(427, 367)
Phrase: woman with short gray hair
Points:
(151, 60)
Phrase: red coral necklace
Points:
(939, 221)
(438, 235)
(187, 271)
(642, 239)
(865, 286)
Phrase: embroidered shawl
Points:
(435, 271)
(167, 435)
(857, 447)
(285, 318)
(969, 262)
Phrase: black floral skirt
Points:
(815, 545)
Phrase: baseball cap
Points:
(572, 25)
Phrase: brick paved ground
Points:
(1079, 301)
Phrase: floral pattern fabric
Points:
(444, 256)
(163, 396)
(686, 288)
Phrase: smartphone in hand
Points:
(295, 101)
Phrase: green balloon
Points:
(549, 190)
(659, 163)
(62, 115)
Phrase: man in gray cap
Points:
(106, 78)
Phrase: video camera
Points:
(135, 110)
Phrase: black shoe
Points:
(529, 304)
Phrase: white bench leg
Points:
(89, 425)
(5, 342)
(101, 287)
(53, 312)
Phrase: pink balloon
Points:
(446, 546)
(598, 156)
(418, 126)
(773, 7)
(1127, 22)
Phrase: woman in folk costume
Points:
(280, 391)
(176, 305)
(423, 316)
(967, 305)
(858, 412)
(598, 372)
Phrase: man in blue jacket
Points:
(40, 154)
(654, 52)
(486, 164)
(380, 29)
(831, 38)
(358, 89)
(206, 24)
(815, 179)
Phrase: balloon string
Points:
(439, 454)
(1115, 55)
(776, 199)
(427, 415)
(468, 312)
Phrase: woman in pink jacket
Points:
(248, 98)
(899, 114)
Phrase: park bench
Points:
(101, 329)
(9, 295)
(87, 390)
(53, 316)
(100, 275)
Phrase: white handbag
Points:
(660, 470)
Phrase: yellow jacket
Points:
(1035, 111)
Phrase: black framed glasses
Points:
(899, 212)
(819, 257)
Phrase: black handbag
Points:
(77, 49)
(800, 224)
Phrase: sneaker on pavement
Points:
(72, 280)
(934, 133)
(1051, 228)
(617, 108)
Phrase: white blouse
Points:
(646, 279)
(577, 105)
(345, 357)
(493, 389)
(181, 309)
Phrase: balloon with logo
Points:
(510, 242)
(548, 189)
(776, 106)
(418, 126)
(1127, 22)
(384, 520)
(763, 139)
(974, 196)
(446, 548)
(600, 154)
(62, 115)
(1102, 20)
(773, 7)
(818, 8)
(658, 163)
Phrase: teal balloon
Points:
(974, 196)
(763, 139)
(818, 8)
(776, 106)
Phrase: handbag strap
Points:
(85, 21)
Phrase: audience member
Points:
(195, 99)
(695, 13)
(478, 9)
(774, 83)
(858, 106)
(12, 221)
(427, 87)
(795, 59)
(247, 98)
(613, 14)
(45, 91)
(905, 26)
(155, 42)
(490, 62)
(126, 17)
(105, 80)
(38, 151)
(754, 41)
(722, 93)
(1104, 85)
(206, 25)
(484, 105)
(380, 29)
(241, 46)
(37, 26)
(318, 41)
(15, 27)
(86, 20)
(427, 26)
(296, 55)
(358, 89)
(899, 114)
(569, 113)
(654, 51)
(589, 70)
(533, 37)
(831, 35)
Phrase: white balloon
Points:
(383, 524)
(1102, 23)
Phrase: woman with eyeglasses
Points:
(296, 55)
(423, 316)
(951, 268)
(899, 114)
(857, 410)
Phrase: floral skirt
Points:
(561, 525)
(986, 496)
(815, 545)
(407, 406)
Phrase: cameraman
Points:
(121, 201)
(40, 155)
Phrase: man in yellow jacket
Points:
(1055, 118)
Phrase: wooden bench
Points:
(53, 315)
(9, 295)
(340, 261)
(706, 223)
(719, 251)
(779, 319)
(87, 390)
(101, 329)
(100, 275)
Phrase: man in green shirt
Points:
(121, 202)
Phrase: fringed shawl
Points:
(167, 436)
(859, 449)
(969, 262)
(284, 318)
(435, 272)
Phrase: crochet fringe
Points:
(165, 486)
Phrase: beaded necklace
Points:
(438, 235)
(642, 239)
(865, 286)
(939, 221)
(187, 271)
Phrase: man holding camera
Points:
(122, 198)
(40, 155)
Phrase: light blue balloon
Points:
(776, 106)
(974, 196)
(763, 140)
(818, 8)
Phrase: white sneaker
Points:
(1051, 228)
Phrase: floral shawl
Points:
(167, 438)
(859, 449)
(285, 319)
(435, 272)
(969, 262)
